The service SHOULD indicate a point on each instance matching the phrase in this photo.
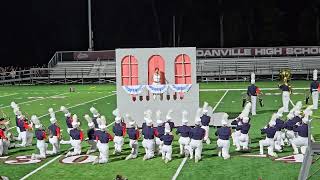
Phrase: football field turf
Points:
(224, 97)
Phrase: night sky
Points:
(32, 30)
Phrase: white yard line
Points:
(205, 90)
(185, 159)
(52, 160)
(35, 100)
(41, 167)
(9, 95)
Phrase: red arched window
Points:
(156, 61)
(182, 69)
(129, 71)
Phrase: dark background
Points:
(32, 30)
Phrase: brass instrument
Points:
(285, 77)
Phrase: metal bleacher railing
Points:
(99, 66)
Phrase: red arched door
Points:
(156, 61)
(129, 71)
(183, 69)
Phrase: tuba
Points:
(285, 77)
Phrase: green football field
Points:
(225, 97)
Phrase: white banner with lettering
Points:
(180, 87)
(157, 89)
(134, 90)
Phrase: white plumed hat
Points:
(205, 107)
(94, 112)
(102, 122)
(184, 117)
(89, 120)
(315, 75)
(197, 119)
(168, 116)
(52, 116)
(65, 111)
(272, 123)
(36, 121)
(116, 113)
(280, 112)
(75, 122)
(253, 78)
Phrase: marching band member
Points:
(314, 89)
(69, 121)
(205, 120)
(169, 118)
(252, 92)
(55, 133)
(103, 138)
(148, 136)
(279, 126)
(285, 96)
(196, 135)
(134, 135)
(119, 130)
(223, 141)
(4, 141)
(25, 132)
(77, 136)
(95, 114)
(270, 131)
(160, 131)
(167, 139)
(91, 133)
(289, 128)
(41, 139)
(18, 114)
(184, 132)
(244, 134)
(238, 123)
(302, 129)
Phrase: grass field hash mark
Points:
(185, 159)
(9, 95)
(54, 159)
(34, 100)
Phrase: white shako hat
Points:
(315, 75)
(52, 116)
(253, 78)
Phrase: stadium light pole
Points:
(89, 27)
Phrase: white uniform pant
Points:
(4, 145)
(19, 135)
(148, 145)
(235, 138)
(206, 135)
(184, 145)
(26, 139)
(118, 143)
(134, 145)
(76, 144)
(42, 146)
(300, 142)
(195, 146)
(315, 98)
(253, 105)
(224, 146)
(290, 135)
(244, 141)
(167, 152)
(159, 144)
(104, 152)
(286, 100)
(55, 145)
(269, 142)
(278, 141)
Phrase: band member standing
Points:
(54, 130)
(286, 90)
(252, 92)
(205, 120)
(314, 89)
(196, 135)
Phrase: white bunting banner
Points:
(180, 87)
(157, 89)
(134, 90)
